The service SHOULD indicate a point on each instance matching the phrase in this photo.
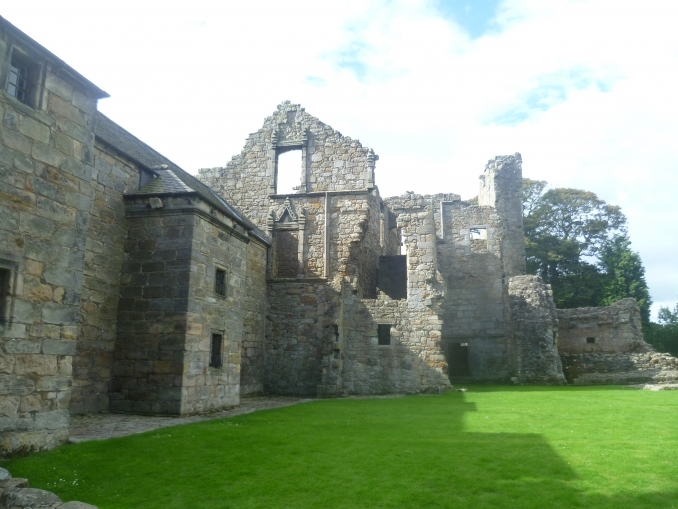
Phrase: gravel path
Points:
(101, 426)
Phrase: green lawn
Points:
(491, 447)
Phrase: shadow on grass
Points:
(393, 452)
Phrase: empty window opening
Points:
(5, 278)
(478, 238)
(216, 359)
(337, 354)
(590, 341)
(335, 329)
(220, 282)
(289, 168)
(392, 276)
(457, 360)
(384, 333)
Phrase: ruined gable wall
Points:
(332, 162)
(113, 176)
(46, 158)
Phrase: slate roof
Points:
(165, 182)
(169, 180)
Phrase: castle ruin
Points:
(128, 285)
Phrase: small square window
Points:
(590, 341)
(384, 333)
(216, 359)
(220, 281)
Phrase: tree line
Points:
(579, 244)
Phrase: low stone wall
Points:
(615, 328)
(619, 368)
(15, 494)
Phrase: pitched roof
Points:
(170, 179)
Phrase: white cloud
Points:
(590, 84)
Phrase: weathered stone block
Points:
(58, 347)
(58, 313)
(35, 365)
(56, 419)
(35, 130)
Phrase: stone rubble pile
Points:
(15, 494)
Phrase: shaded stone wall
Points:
(113, 176)
(252, 367)
(46, 159)
(475, 307)
(615, 328)
(298, 314)
(411, 363)
(169, 309)
(535, 330)
(152, 312)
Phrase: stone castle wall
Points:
(170, 310)
(330, 162)
(113, 175)
(615, 328)
(619, 368)
(46, 172)
(535, 331)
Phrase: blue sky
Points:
(584, 89)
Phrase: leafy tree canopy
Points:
(579, 245)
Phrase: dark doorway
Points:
(458, 360)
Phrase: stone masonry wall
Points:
(332, 162)
(205, 387)
(412, 363)
(535, 329)
(151, 333)
(252, 367)
(475, 307)
(46, 159)
(619, 368)
(169, 309)
(298, 314)
(612, 329)
(501, 187)
(113, 176)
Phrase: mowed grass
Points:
(491, 447)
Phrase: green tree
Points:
(664, 334)
(565, 230)
(624, 275)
